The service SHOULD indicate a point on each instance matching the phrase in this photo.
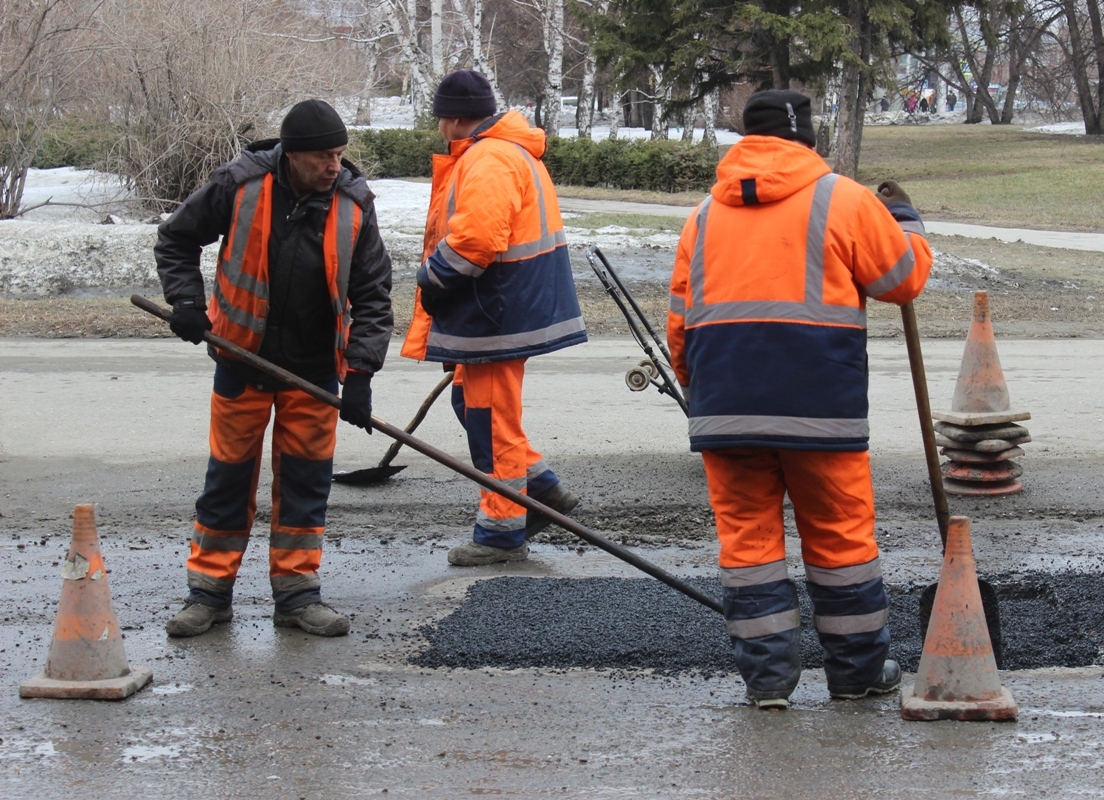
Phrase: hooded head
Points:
(780, 112)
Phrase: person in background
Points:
(952, 99)
(767, 331)
(494, 289)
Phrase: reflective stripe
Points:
(913, 226)
(764, 626)
(677, 305)
(456, 261)
(814, 239)
(896, 276)
(201, 580)
(345, 244)
(697, 262)
(855, 623)
(739, 577)
(516, 252)
(243, 226)
(844, 576)
(738, 310)
(490, 343)
(536, 470)
(295, 583)
(763, 425)
(221, 544)
(540, 189)
(236, 315)
(295, 541)
(499, 525)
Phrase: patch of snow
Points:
(1067, 128)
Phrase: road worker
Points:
(304, 281)
(767, 329)
(494, 288)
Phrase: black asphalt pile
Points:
(1047, 620)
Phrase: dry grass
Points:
(991, 174)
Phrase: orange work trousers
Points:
(487, 400)
(303, 439)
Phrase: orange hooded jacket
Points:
(495, 261)
(767, 321)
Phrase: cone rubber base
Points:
(952, 486)
(112, 689)
(1000, 708)
(967, 418)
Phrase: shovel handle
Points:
(423, 409)
(468, 471)
(923, 409)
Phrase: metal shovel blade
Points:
(366, 477)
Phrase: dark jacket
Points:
(299, 325)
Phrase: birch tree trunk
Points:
(617, 104)
(553, 28)
(854, 94)
(436, 39)
(404, 25)
(709, 107)
(660, 93)
(473, 25)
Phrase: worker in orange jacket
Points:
(767, 329)
(494, 288)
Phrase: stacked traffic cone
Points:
(979, 435)
(957, 677)
(87, 660)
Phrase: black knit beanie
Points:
(312, 125)
(464, 94)
(780, 112)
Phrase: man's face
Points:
(315, 170)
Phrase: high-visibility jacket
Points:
(241, 280)
(767, 319)
(495, 254)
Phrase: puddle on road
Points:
(1047, 620)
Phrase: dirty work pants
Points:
(303, 437)
(487, 401)
(833, 501)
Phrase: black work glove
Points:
(356, 400)
(189, 320)
(891, 192)
(435, 300)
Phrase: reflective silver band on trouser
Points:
(231, 267)
(200, 580)
(844, 576)
(764, 626)
(535, 470)
(499, 525)
(739, 577)
(220, 544)
(295, 583)
(506, 341)
(295, 541)
(852, 623)
(762, 425)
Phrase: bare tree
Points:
(550, 15)
(472, 22)
(1087, 55)
(192, 81)
(37, 65)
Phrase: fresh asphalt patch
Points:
(1047, 620)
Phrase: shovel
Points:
(989, 600)
(384, 470)
(468, 471)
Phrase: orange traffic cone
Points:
(981, 394)
(87, 659)
(957, 677)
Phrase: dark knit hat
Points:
(312, 125)
(780, 112)
(464, 94)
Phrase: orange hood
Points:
(510, 127)
(779, 168)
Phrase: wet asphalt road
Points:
(249, 710)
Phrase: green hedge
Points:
(72, 143)
(659, 166)
(396, 152)
(614, 163)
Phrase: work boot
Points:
(557, 498)
(317, 618)
(196, 618)
(888, 681)
(476, 555)
(772, 704)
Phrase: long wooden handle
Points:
(923, 409)
(393, 450)
(468, 471)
